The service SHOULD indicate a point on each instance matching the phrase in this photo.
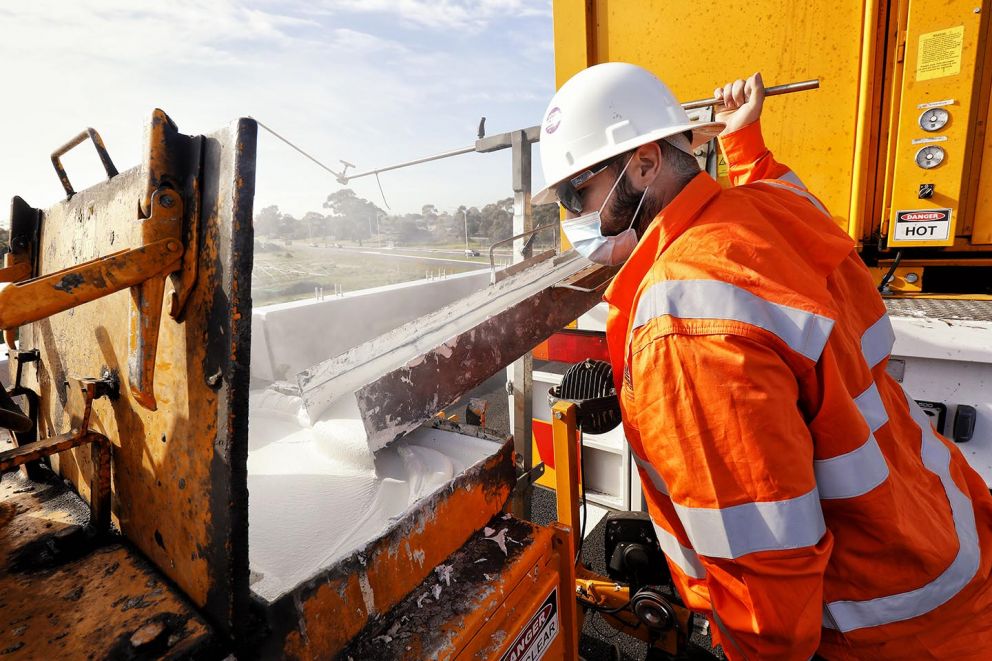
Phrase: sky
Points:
(373, 82)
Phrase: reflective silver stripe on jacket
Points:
(852, 474)
(877, 341)
(870, 404)
(851, 615)
(805, 332)
(656, 480)
(731, 532)
(802, 193)
(685, 558)
(791, 177)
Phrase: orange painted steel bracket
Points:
(169, 245)
(166, 157)
(592, 590)
(142, 269)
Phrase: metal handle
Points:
(801, 86)
(492, 248)
(101, 150)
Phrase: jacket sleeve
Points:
(719, 420)
(749, 160)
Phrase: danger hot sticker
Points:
(923, 225)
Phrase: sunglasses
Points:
(567, 191)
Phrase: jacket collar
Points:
(670, 222)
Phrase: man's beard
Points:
(624, 204)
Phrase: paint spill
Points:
(499, 538)
(444, 572)
(318, 494)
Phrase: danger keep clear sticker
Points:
(537, 636)
(940, 53)
(923, 225)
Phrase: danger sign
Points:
(537, 636)
(923, 225)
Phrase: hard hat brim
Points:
(702, 132)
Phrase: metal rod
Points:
(492, 248)
(801, 86)
(426, 159)
(691, 105)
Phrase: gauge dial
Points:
(930, 157)
(934, 119)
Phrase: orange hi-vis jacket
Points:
(802, 498)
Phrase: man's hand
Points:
(741, 103)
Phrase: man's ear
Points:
(646, 165)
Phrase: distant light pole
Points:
(465, 218)
(378, 234)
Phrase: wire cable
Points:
(887, 278)
(582, 486)
(337, 175)
(381, 192)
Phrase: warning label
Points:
(923, 225)
(537, 636)
(940, 53)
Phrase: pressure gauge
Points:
(934, 119)
(930, 157)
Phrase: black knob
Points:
(964, 423)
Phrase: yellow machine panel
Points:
(935, 127)
(689, 46)
(894, 141)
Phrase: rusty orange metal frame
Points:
(143, 269)
(179, 478)
(591, 589)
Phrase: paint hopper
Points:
(355, 485)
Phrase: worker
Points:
(803, 500)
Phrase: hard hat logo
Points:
(552, 121)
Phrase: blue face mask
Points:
(585, 233)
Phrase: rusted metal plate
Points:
(180, 472)
(319, 618)
(395, 403)
(65, 594)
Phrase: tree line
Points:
(347, 217)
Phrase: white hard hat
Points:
(604, 111)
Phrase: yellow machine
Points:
(895, 141)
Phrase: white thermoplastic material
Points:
(317, 494)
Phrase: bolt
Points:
(173, 246)
(214, 378)
(977, 10)
(167, 201)
(912, 278)
(558, 415)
